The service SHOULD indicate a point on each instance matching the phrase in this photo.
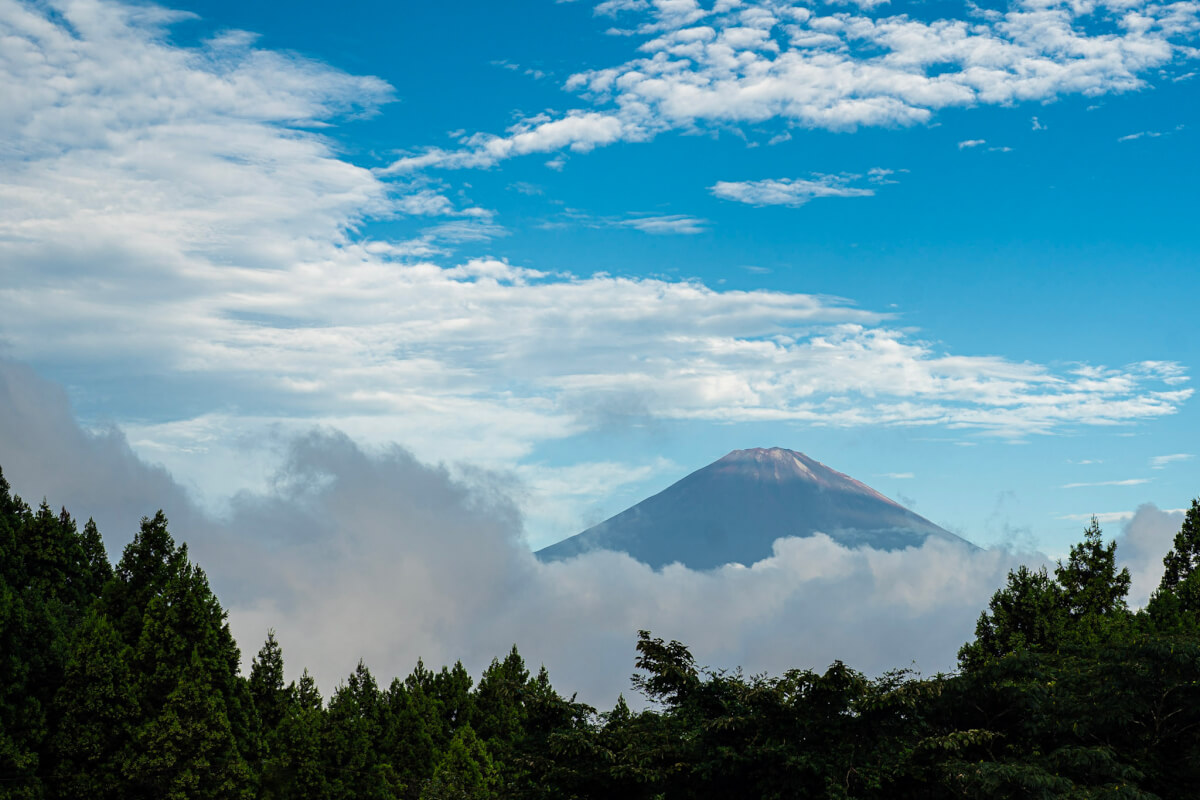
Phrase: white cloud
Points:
(897, 475)
(1160, 462)
(665, 223)
(338, 528)
(788, 191)
(829, 68)
(194, 231)
(971, 143)
(1126, 482)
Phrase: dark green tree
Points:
(464, 772)
(1028, 613)
(354, 730)
(1092, 585)
(94, 711)
(187, 750)
(295, 769)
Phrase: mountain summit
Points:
(733, 509)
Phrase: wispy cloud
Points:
(897, 475)
(1140, 135)
(1161, 462)
(665, 224)
(971, 143)
(1126, 482)
(790, 191)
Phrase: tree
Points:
(1028, 613)
(187, 751)
(464, 772)
(294, 770)
(93, 713)
(1091, 584)
(353, 734)
(267, 690)
(146, 565)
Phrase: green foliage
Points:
(1092, 586)
(1028, 613)
(464, 772)
(125, 683)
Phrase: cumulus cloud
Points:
(789, 192)
(829, 67)
(1145, 538)
(971, 143)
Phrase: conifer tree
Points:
(187, 750)
(1183, 560)
(295, 769)
(1028, 613)
(1091, 584)
(267, 690)
(353, 734)
(412, 726)
(464, 772)
(93, 713)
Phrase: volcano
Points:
(732, 510)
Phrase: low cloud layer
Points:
(378, 556)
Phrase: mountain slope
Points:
(733, 509)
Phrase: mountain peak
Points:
(733, 510)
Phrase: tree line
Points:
(123, 681)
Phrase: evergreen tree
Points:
(146, 565)
(353, 734)
(1176, 603)
(98, 569)
(295, 769)
(412, 727)
(187, 751)
(464, 772)
(93, 713)
(1091, 584)
(267, 690)
(1029, 613)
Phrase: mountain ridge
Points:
(732, 510)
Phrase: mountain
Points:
(733, 509)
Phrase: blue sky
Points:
(949, 249)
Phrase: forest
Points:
(124, 681)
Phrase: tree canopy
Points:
(124, 682)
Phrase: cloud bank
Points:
(350, 554)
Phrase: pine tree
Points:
(146, 565)
(267, 690)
